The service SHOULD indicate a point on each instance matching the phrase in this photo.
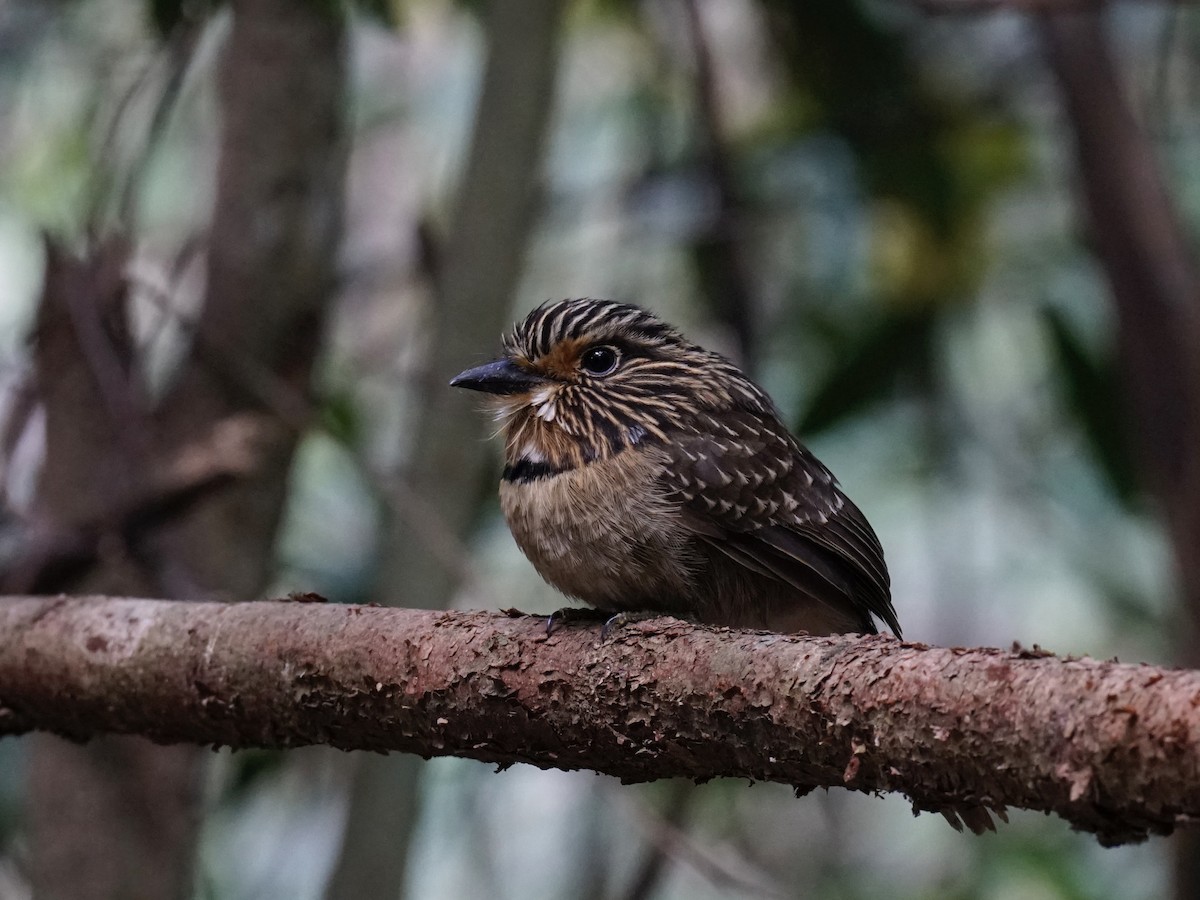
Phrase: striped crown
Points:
(660, 382)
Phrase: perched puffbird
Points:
(644, 473)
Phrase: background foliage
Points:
(870, 206)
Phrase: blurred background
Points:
(950, 237)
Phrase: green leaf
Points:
(251, 766)
(1092, 389)
(167, 15)
(869, 368)
(340, 416)
(381, 12)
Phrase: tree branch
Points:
(1113, 749)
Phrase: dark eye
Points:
(599, 360)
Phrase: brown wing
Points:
(759, 497)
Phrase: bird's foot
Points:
(569, 615)
(621, 619)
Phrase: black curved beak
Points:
(500, 377)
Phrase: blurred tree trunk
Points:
(723, 271)
(477, 272)
(117, 818)
(1155, 287)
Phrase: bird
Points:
(644, 474)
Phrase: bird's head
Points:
(606, 375)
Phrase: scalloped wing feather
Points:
(753, 493)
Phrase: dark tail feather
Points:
(977, 818)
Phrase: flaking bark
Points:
(1112, 748)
